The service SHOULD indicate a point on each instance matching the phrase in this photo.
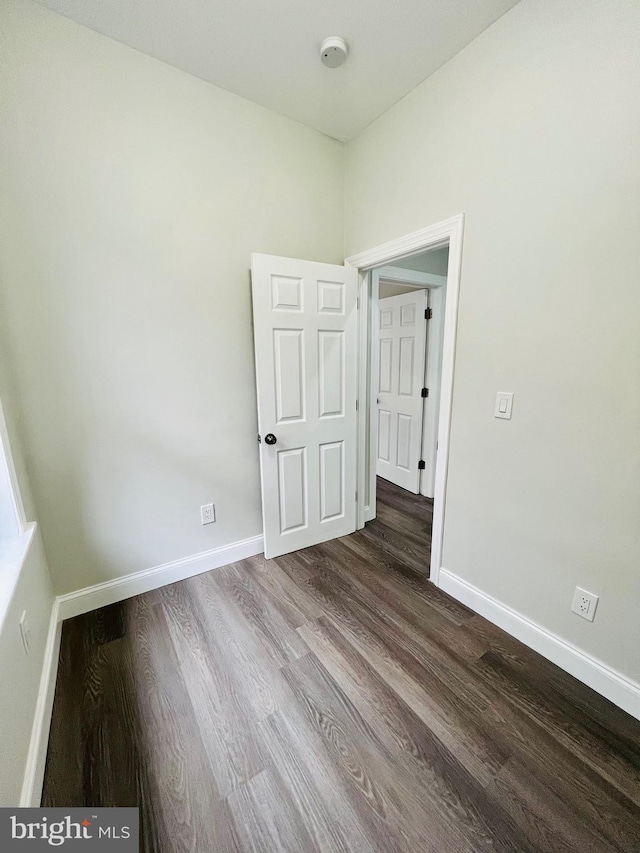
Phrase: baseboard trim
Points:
(36, 759)
(603, 679)
(109, 592)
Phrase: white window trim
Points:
(13, 548)
(6, 459)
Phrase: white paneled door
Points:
(402, 336)
(305, 333)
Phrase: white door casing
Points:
(305, 334)
(449, 232)
(432, 382)
(402, 334)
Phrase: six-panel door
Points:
(305, 335)
(401, 370)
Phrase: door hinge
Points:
(428, 314)
(421, 465)
(425, 392)
(356, 405)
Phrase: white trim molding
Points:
(119, 589)
(448, 233)
(363, 436)
(605, 680)
(434, 237)
(37, 756)
(6, 459)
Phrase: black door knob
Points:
(270, 438)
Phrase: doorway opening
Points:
(408, 315)
(405, 363)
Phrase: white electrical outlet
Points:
(25, 632)
(208, 513)
(584, 603)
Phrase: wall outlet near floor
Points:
(25, 632)
(584, 603)
(208, 513)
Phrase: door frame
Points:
(446, 233)
(435, 285)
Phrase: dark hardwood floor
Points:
(333, 700)
(402, 526)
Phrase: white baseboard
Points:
(607, 681)
(109, 592)
(369, 513)
(37, 756)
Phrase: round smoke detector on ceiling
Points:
(333, 51)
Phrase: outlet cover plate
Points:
(208, 513)
(584, 603)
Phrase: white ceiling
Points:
(268, 50)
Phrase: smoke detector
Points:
(333, 51)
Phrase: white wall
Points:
(133, 195)
(388, 288)
(533, 131)
(432, 262)
(33, 591)
(435, 262)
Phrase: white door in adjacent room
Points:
(402, 335)
(305, 335)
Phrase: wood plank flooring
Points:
(333, 700)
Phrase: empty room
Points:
(320, 425)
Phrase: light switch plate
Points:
(504, 404)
